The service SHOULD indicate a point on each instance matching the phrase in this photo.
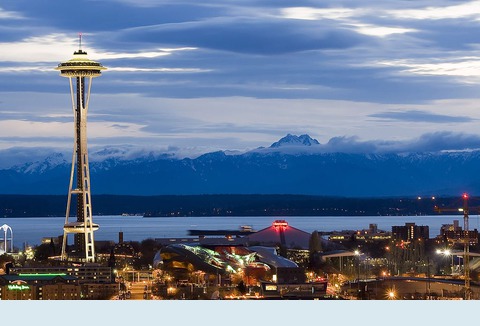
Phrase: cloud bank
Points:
(213, 75)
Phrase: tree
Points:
(315, 243)
(282, 250)
(314, 248)
(111, 260)
(148, 248)
(4, 260)
(241, 287)
(52, 247)
(43, 251)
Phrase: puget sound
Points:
(32, 230)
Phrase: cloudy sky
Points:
(195, 76)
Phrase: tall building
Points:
(80, 71)
(454, 233)
(410, 232)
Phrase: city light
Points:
(391, 294)
(446, 252)
(365, 277)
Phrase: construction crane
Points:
(465, 238)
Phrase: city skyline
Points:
(190, 78)
(186, 78)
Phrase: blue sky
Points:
(189, 77)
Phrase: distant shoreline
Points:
(228, 205)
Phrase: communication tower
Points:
(80, 71)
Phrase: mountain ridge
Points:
(294, 140)
(261, 171)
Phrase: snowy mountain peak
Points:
(294, 140)
(48, 163)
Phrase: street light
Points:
(446, 253)
(391, 294)
(357, 255)
(117, 279)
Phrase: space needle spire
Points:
(80, 71)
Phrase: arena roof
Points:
(280, 232)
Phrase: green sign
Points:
(16, 287)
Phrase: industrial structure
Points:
(466, 238)
(80, 71)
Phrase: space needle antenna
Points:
(80, 41)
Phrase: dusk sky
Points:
(190, 77)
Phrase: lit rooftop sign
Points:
(18, 287)
(280, 225)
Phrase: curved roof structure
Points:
(198, 258)
(280, 232)
(182, 256)
(268, 255)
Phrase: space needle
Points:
(80, 71)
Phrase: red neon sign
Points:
(280, 225)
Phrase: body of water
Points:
(136, 228)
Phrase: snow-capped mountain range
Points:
(292, 165)
(293, 140)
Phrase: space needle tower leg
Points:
(80, 72)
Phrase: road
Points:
(140, 291)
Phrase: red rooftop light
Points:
(280, 224)
(465, 195)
